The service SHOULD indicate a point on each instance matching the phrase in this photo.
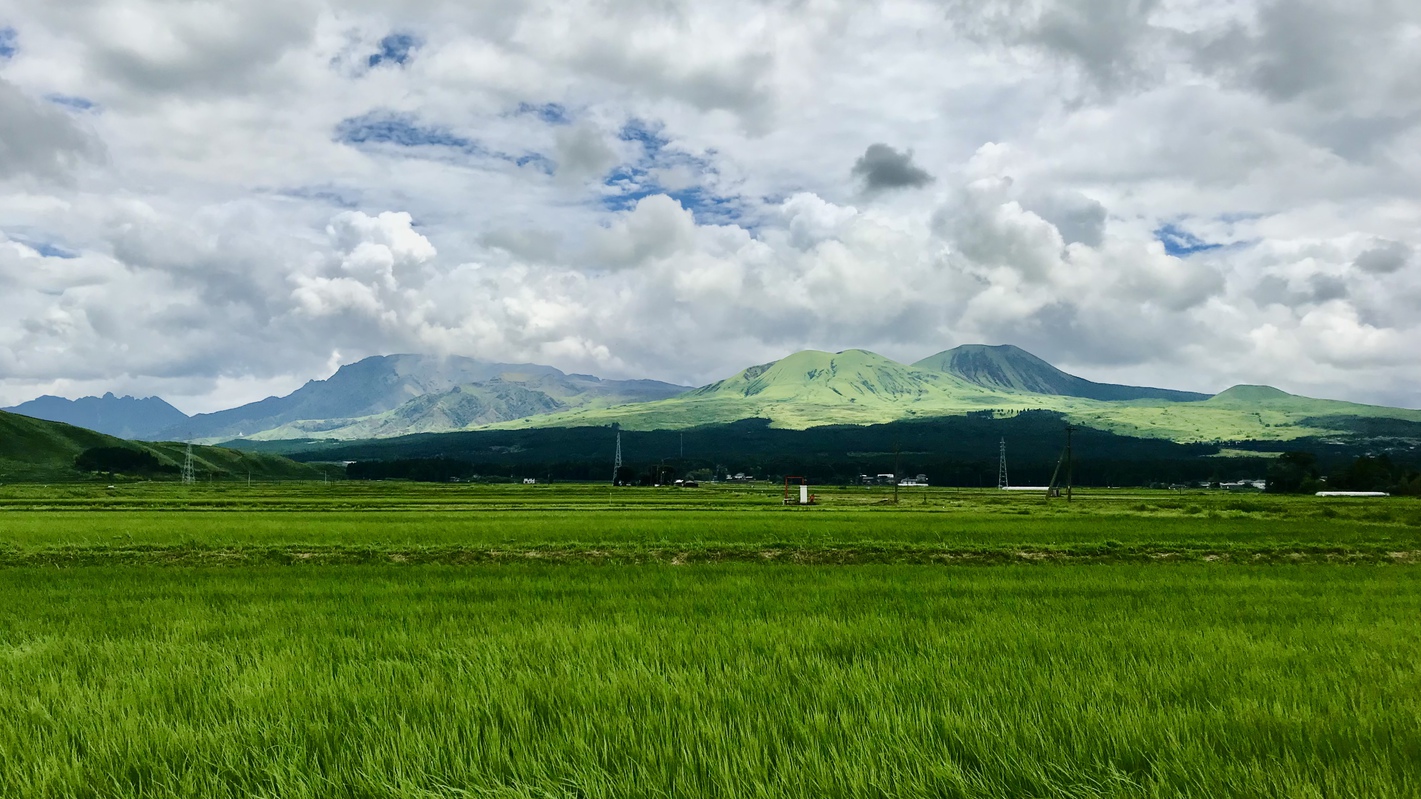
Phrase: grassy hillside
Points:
(810, 389)
(1260, 413)
(806, 389)
(34, 449)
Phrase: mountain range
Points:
(395, 395)
(390, 395)
(812, 388)
(124, 417)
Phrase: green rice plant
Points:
(537, 680)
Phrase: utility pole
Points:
(897, 459)
(1066, 460)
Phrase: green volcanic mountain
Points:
(36, 449)
(806, 389)
(811, 388)
(1013, 369)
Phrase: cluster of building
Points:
(1238, 485)
(889, 479)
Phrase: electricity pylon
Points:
(187, 467)
(1002, 467)
(617, 461)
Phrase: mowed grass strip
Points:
(719, 681)
(967, 528)
(833, 554)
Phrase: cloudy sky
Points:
(216, 201)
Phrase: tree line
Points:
(1300, 473)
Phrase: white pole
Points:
(803, 494)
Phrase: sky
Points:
(214, 202)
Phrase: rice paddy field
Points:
(373, 640)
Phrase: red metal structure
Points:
(804, 498)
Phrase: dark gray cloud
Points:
(1327, 287)
(1105, 37)
(882, 168)
(191, 49)
(1334, 50)
(1077, 217)
(1384, 257)
(1317, 288)
(583, 153)
(1299, 45)
(39, 140)
(1111, 42)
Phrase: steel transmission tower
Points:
(187, 466)
(1002, 468)
(617, 462)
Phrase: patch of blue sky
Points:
(538, 161)
(1181, 243)
(649, 135)
(397, 48)
(630, 182)
(51, 250)
(391, 129)
(70, 101)
(44, 246)
(551, 113)
(9, 42)
(404, 130)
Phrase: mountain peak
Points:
(1011, 368)
(1251, 394)
(818, 377)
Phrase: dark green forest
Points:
(956, 451)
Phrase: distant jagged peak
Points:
(124, 417)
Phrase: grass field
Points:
(570, 641)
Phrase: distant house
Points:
(528, 481)
(1245, 485)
